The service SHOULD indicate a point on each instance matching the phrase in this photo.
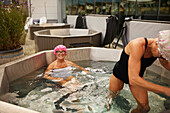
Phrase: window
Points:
(74, 7)
(68, 7)
(81, 7)
(164, 13)
(89, 7)
(98, 7)
(147, 9)
(138, 9)
(129, 7)
(115, 7)
(108, 7)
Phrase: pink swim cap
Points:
(60, 47)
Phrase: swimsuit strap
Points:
(146, 42)
(66, 63)
(55, 64)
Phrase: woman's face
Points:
(60, 54)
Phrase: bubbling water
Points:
(44, 96)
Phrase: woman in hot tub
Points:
(60, 71)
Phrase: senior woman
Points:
(60, 71)
(136, 56)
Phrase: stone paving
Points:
(29, 47)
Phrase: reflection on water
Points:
(46, 97)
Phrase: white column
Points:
(63, 10)
(59, 10)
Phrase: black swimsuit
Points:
(120, 69)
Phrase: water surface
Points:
(47, 97)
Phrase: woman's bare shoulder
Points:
(135, 45)
(138, 41)
(69, 62)
(52, 64)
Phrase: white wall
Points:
(51, 9)
(149, 29)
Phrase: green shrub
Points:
(12, 21)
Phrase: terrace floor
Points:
(29, 47)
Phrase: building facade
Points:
(138, 9)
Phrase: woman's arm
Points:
(165, 63)
(75, 65)
(49, 69)
(134, 65)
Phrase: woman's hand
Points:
(87, 71)
(75, 65)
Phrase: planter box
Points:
(10, 55)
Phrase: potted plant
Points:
(12, 21)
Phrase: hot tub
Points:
(48, 39)
(16, 69)
(38, 27)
